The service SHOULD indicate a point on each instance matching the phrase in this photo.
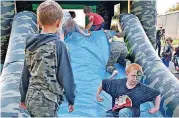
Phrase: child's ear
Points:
(58, 22)
(127, 74)
(40, 25)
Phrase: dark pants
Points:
(97, 27)
(158, 46)
(166, 61)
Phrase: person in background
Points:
(128, 94)
(73, 14)
(47, 72)
(96, 22)
(70, 26)
(158, 41)
(176, 59)
(167, 52)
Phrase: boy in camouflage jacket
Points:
(47, 70)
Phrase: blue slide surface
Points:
(89, 56)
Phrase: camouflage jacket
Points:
(47, 68)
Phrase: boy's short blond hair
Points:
(49, 12)
(132, 67)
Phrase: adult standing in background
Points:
(158, 41)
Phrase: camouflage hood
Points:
(35, 41)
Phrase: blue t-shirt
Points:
(139, 94)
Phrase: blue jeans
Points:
(124, 112)
(165, 61)
(97, 27)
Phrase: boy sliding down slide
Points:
(128, 94)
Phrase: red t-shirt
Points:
(97, 19)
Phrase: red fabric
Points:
(127, 104)
(22, 105)
(97, 19)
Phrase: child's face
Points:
(169, 41)
(134, 77)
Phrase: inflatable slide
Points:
(7, 15)
(24, 23)
(89, 56)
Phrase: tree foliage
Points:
(174, 8)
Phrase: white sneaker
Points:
(128, 63)
(115, 72)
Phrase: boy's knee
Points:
(110, 68)
(125, 112)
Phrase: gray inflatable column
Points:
(146, 11)
(158, 76)
(24, 23)
(7, 15)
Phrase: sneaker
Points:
(115, 72)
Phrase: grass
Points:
(175, 42)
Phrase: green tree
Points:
(174, 8)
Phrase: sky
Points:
(164, 5)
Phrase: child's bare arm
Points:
(98, 93)
(81, 31)
(89, 25)
(157, 105)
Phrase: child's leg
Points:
(95, 28)
(39, 106)
(114, 55)
(92, 28)
(98, 27)
(122, 59)
(165, 61)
